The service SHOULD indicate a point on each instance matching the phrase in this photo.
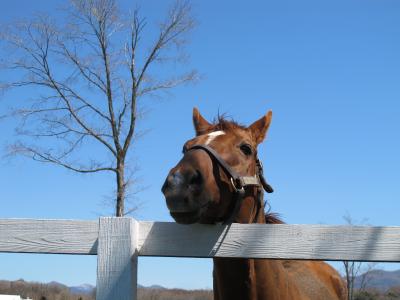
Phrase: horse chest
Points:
(248, 279)
(234, 279)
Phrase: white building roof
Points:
(12, 297)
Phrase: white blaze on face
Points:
(212, 135)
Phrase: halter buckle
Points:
(238, 190)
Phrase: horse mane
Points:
(273, 218)
(223, 123)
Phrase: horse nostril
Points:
(178, 182)
(196, 179)
(174, 180)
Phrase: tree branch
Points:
(84, 70)
(169, 84)
(178, 22)
(46, 157)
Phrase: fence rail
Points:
(118, 242)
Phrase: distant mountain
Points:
(57, 284)
(380, 279)
(51, 290)
(86, 289)
(152, 287)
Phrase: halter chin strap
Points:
(239, 183)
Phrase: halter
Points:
(239, 183)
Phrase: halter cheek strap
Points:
(239, 183)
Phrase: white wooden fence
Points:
(118, 242)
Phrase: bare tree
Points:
(86, 79)
(354, 269)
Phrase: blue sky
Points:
(329, 70)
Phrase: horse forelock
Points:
(224, 124)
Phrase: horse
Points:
(220, 179)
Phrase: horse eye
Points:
(246, 149)
(184, 149)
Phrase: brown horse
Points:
(203, 188)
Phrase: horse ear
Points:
(200, 124)
(259, 128)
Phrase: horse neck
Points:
(251, 210)
(249, 279)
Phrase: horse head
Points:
(217, 164)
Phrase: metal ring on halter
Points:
(238, 190)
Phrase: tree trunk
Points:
(120, 189)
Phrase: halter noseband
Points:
(239, 183)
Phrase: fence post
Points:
(117, 259)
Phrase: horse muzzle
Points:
(181, 190)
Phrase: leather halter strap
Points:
(238, 182)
